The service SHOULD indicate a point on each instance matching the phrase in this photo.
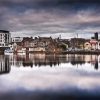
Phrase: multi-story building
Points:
(5, 38)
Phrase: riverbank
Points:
(63, 52)
(97, 52)
(82, 52)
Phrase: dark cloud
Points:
(50, 16)
(40, 4)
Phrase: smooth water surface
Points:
(49, 77)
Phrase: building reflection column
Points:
(4, 64)
(97, 63)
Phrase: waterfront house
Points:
(27, 42)
(34, 45)
(87, 45)
(77, 43)
(94, 44)
(17, 46)
(91, 45)
(44, 41)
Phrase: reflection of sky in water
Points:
(64, 77)
(43, 78)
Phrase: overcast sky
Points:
(50, 17)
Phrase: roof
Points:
(87, 40)
(4, 31)
(17, 37)
(45, 38)
(27, 39)
(93, 42)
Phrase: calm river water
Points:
(49, 77)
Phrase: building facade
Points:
(5, 38)
(87, 46)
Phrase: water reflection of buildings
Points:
(83, 59)
(37, 60)
(4, 64)
(53, 60)
(46, 60)
(76, 59)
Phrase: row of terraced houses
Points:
(47, 44)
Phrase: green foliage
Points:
(63, 47)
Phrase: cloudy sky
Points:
(50, 17)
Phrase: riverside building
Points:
(5, 38)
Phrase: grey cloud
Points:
(49, 16)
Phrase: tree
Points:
(63, 47)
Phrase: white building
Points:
(5, 38)
(17, 39)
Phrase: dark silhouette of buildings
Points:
(96, 35)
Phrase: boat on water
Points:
(8, 52)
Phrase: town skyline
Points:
(62, 35)
(39, 44)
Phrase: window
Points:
(5, 37)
